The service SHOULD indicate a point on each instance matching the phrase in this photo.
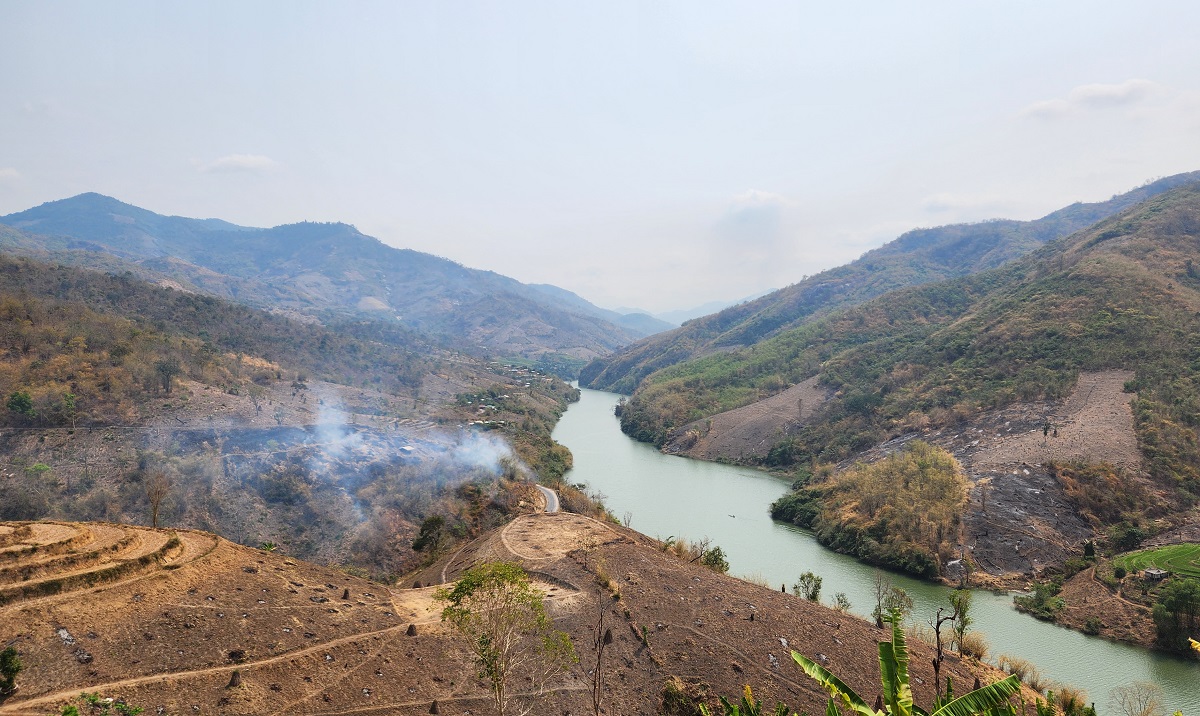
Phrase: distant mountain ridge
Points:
(918, 257)
(321, 269)
(990, 365)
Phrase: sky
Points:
(656, 155)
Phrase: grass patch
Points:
(1182, 559)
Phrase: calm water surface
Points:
(674, 496)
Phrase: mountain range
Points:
(1064, 383)
(918, 257)
(323, 270)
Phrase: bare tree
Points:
(158, 487)
(1139, 698)
(256, 393)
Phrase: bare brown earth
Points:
(1018, 520)
(750, 431)
(169, 635)
(1120, 619)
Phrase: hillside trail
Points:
(21, 709)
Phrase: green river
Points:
(674, 496)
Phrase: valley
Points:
(403, 449)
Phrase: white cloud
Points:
(1093, 96)
(9, 175)
(239, 163)
(1101, 95)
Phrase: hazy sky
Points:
(645, 154)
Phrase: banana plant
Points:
(749, 706)
(897, 698)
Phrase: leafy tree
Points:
(1043, 602)
(21, 403)
(897, 699)
(69, 407)
(496, 607)
(841, 603)
(714, 559)
(430, 534)
(960, 600)
(10, 666)
(1125, 536)
(808, 586)
(889, 598)
(1177, 612)
(167, 369)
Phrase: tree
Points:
(158, 487)
(808, 586)
(256, 393)
(960, 600)
(167, 369)
(601, 638)
(496, 607)
(1177, 612)
(21, 403)
(889, 598)
(70, 408)
(714, 559)
(10, 666)
(897, 699)
(1138, 698)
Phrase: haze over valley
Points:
(294, 299)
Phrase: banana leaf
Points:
(832, 684)
(983, 700)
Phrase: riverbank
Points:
(664, 495)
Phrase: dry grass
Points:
(1025, 670)
(975, 644)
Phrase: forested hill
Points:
(918, 257)
(1122, 294)
(321, 270)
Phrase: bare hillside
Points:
(164, 619)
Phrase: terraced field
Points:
(1181, 559)
(47, 558)
(181, 622)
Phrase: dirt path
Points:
(115, 686)
(529, 539)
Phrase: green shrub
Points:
(10, 666)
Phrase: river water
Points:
(666, 495)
